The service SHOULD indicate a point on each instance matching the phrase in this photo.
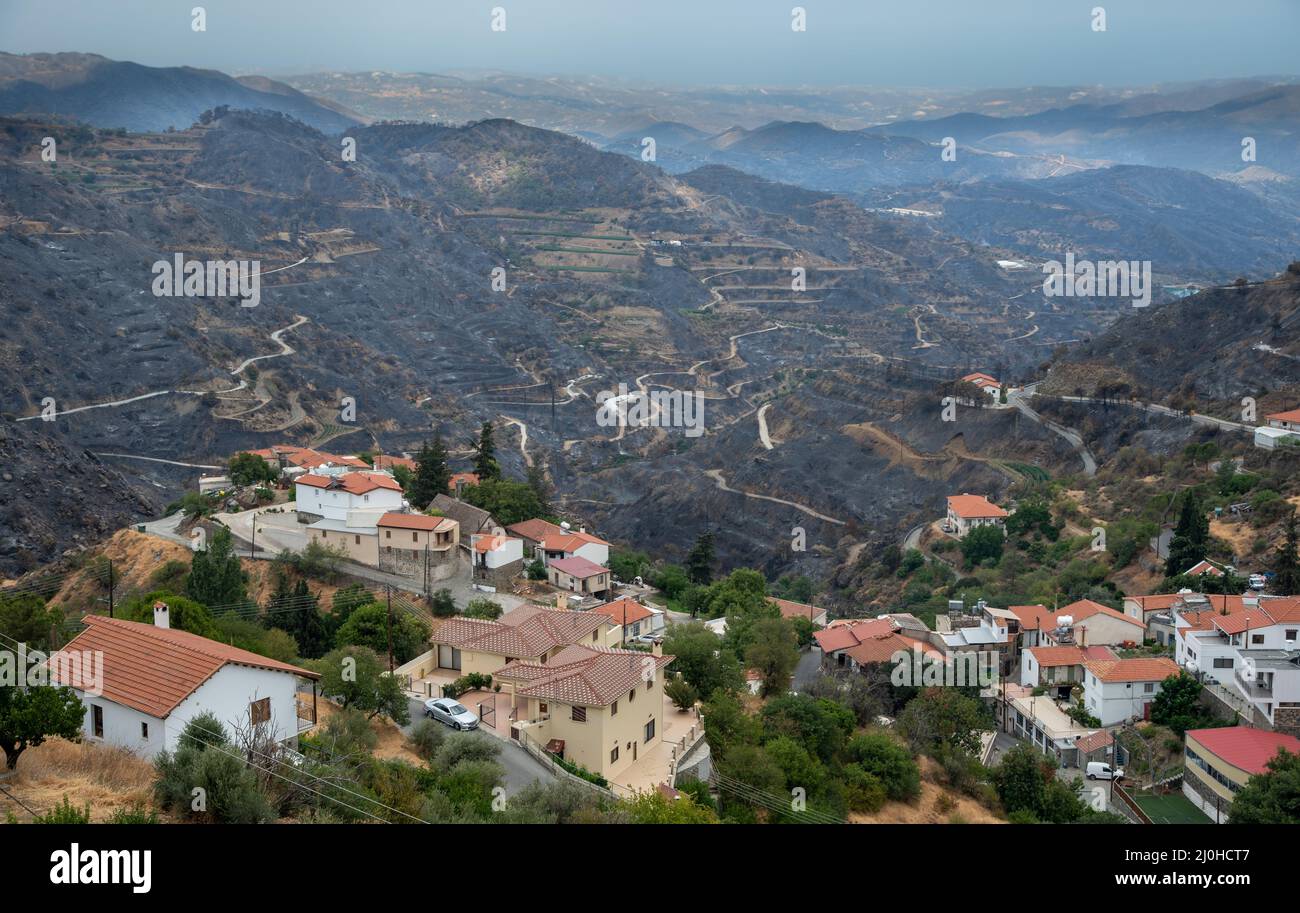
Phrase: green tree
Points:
(182, 613)
(368, 626)
(297, 611)
(442, 604)
(1178, 703)
(773, 652)
(483, 608)
(1286, 566)
(204, 760)
(432, 475)
(699, 563)
(700, 659)
(681, 693)
(1272, 797)
(29, 621)
(358, 679)
(486, 466)
(983, 543)
(250, 469)
(506, 500)
(653, 807)
(889, 762)
(1191, 537)
(819, 725)
(30, 715)
(216, 577)
(940, 720)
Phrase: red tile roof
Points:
(485, 544)
(981, 379)
(527, 632)
(469, 478)
(1133, 670)
(973, 507)
(1097, 740)
(1245, 747)
(796, 609)
(570, 542)
(883, 647)
(842, 636)
(383, 461)
(355, 483)
(152, 669)
(414, 521)
(535, 529)
(583, 675)
(1291, 415)
(624, 611)
(577, 566)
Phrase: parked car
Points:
(1100, 770)
(454, 714)
(1257, 581)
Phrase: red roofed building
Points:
(547, 541)
(1116, 690)
(142, 683)
(384, 461)
(332, 497)
(790, 609)
(1288, 421)
(986, 382)
(1219, 762)
(1084, 623)
(600, 708)
(632, 618)
(578, 575)
(968, 512)
(1058, 666)
(459, 481)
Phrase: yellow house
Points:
(1219, 762)
(530, 632)
(598, 707)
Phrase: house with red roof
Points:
(860, 643)
(333, 497)
(1214, 633)
(1058, 667)
(580, 576)
(599, 707)
(547, 541)
(496, 559)
(1116, 690)
(1287, 421)
(986, 382)
(1217, 763)
(141, 683)
(529, 633)
(967, 512)
(631, 619)
(789, 609)
(1084, 623)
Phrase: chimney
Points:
(161, 617)
(657, 649)
(562, 601)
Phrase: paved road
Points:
(807, 669)
(1020, 400)
(521, 768)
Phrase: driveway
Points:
(807, 669)
(521, 768)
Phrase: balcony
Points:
(1256, 686)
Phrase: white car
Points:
(1100, 770)
(449, 711)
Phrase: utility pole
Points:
(390, 626)
(110, 587)
(252, 549)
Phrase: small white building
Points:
(142, 683)
(1271, 438)
(985, 382)
(1123, 689)
(967, 512)
(333, 497)
(1286, 421)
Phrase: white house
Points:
(985, 382)
(1208, 642)
(142, 683)
(496, 559)
(1272, 438)
(545, 540)
(1123, 689)
(1287, 421)
(332, 497)
(1269, 680)
(967, 512)
(631, 619)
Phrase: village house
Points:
(389, 463)
(529, 633)
(472, 520)
(415, 545)
(1084, 623)
(496, 559)
(790, 609)
(1061, 668)
(597, 707)
(968, 512)
(321, 497)
(1039, 720)
(860, 643)
(1269, 680)
(985, 382)
(545, 540)
(1287, 421)
(631, 619)
(580, 576)
(1217, 763)
(1122, 689)
(459, 481)
(987, 630)
(1211, 631)
(295, 461)
(153, 680)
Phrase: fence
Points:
(554, 766)
(1129, 806)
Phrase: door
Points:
(448, 657)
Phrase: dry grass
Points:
(936, 805)
(105, 777)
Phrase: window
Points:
(613, 709)
(593, 636)
(97, 721)
(649, 730)
(388, 534)
(415, 536)
(613, 755)
(631, 696)
(144, 731)
(578, 714)
(649, 683)
(1290, 633)
(1257, 638)
(541, 707)
(358, 538)
(260, 711)
(1149, 687)
(1221, 662)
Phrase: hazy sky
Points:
(879, 42)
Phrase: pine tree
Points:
(1191, 538)
(485, 459)
(306, 624)
(699, 563)
(432, 476)
(216, 577)
(537, 482)
(1287, 564)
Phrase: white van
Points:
(1100, 770)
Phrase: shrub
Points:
(473, 681)
(681, 693)
(65, 813)
(427, 737)
(890, 763)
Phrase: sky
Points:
(919, 43)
